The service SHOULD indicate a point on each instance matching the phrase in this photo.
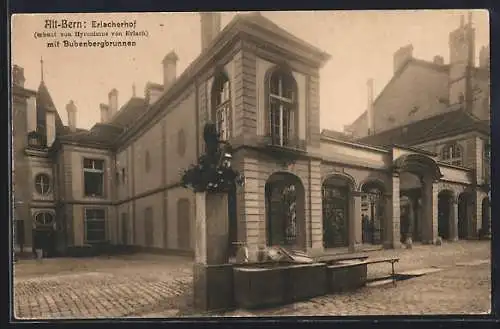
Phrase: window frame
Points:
(86, 229)
(94, 170)
(49, 185)
(292, 107)
(44, 224)
(449, 155)
(221, 105)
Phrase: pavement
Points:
(144, 285)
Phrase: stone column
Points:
(387, 221)
(212, 275)
(430, 211)
(355, 223)
(411, 218)
(394, 227)
(453, 219)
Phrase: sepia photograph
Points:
(170, 165)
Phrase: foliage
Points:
(213, 172)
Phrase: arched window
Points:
(44, 218)
(282, 107)
(147, 161)
(42, 184)
(452, 154)
(221, 106)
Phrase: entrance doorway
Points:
(445, 213)
(373, 212)
(336, 212)
(464, 215)
(44, 234)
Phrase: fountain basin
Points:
(346, 276)
(261, 285)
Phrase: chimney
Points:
(369, 114)
(402, 56)
(113, 102)
(169, 69)
(104, 112)
(484, 57)
(71, 109)
(152, 92)
(438, 60)
(210, 28)
(18, 76)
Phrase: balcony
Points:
(36, 140)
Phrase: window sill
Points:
(92, 196)
(295, 145)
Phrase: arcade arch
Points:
(373, 212)
(285, 211)
(446, 215)
(416, 177)
(338, 209)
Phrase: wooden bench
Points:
(367, 262)
(391, 260)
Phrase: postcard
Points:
(274, 163)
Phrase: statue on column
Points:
(213, 173)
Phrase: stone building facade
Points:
(119, 182)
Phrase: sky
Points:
(361, 45)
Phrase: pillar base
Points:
(392, 245)
(486, 236)
(315, 252)
(355, 247)
(213, 287)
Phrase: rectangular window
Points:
(93, 176)
(148, 227)
(95, 225)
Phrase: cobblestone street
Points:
(160, 286)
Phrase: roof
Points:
(258, 19)
(129, 112)
(336, 135)
(478, 72)
(105, 134)
(44, 104)
(451, 122)
(101, 134)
